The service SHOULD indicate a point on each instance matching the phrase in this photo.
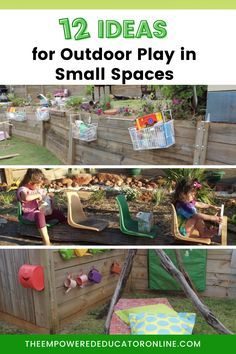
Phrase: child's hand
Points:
(217, 218)
(39, 197)
(216, 207)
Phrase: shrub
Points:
(98, 196)
(174, 175)
(158, 196)
(131, 194)
(16, 101)
(182, 99)
(74, 102)
(90, 90)
(7, 198)
(105, 103)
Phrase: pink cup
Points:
(82, 279)
(70, 283)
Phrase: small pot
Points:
(82, 280)
(94, 276)
(115, 268)
(70, 283)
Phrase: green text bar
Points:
(121, 4)
(125, 344)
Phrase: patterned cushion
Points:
(154, 309)
(162, 323)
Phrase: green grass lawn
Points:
(30, 154)
(132, 104)
(223, 309)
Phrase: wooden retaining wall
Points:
(220, 273)
(198, 144)
(114, 146)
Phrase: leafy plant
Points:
(90, 90)
(74, 102)
(158, 196)
(125, 111)
(106, 103)
(16, 101)
(14, 185)
(182, 97)
(148, 107)
(7, 198)
(175, 175)
(98, 196)
(233, 219)
(49, 96)
(131, 194)
(10, 96)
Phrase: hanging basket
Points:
(42, 114)
(18, 116)
(88, 133)
(159, 136)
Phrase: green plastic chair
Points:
(128, 225)
(28, 222)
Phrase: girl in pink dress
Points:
(30, 195)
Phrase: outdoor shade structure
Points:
(68, 293)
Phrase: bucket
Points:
(31, 276)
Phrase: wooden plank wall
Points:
(220, 274)
(25, 307)
(56, 135)
(14, 299)
(221, 145)
(114, 147)
(29, 130)
(80, 299)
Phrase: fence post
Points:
(201, 140)
(42, 135)
(70, 156)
